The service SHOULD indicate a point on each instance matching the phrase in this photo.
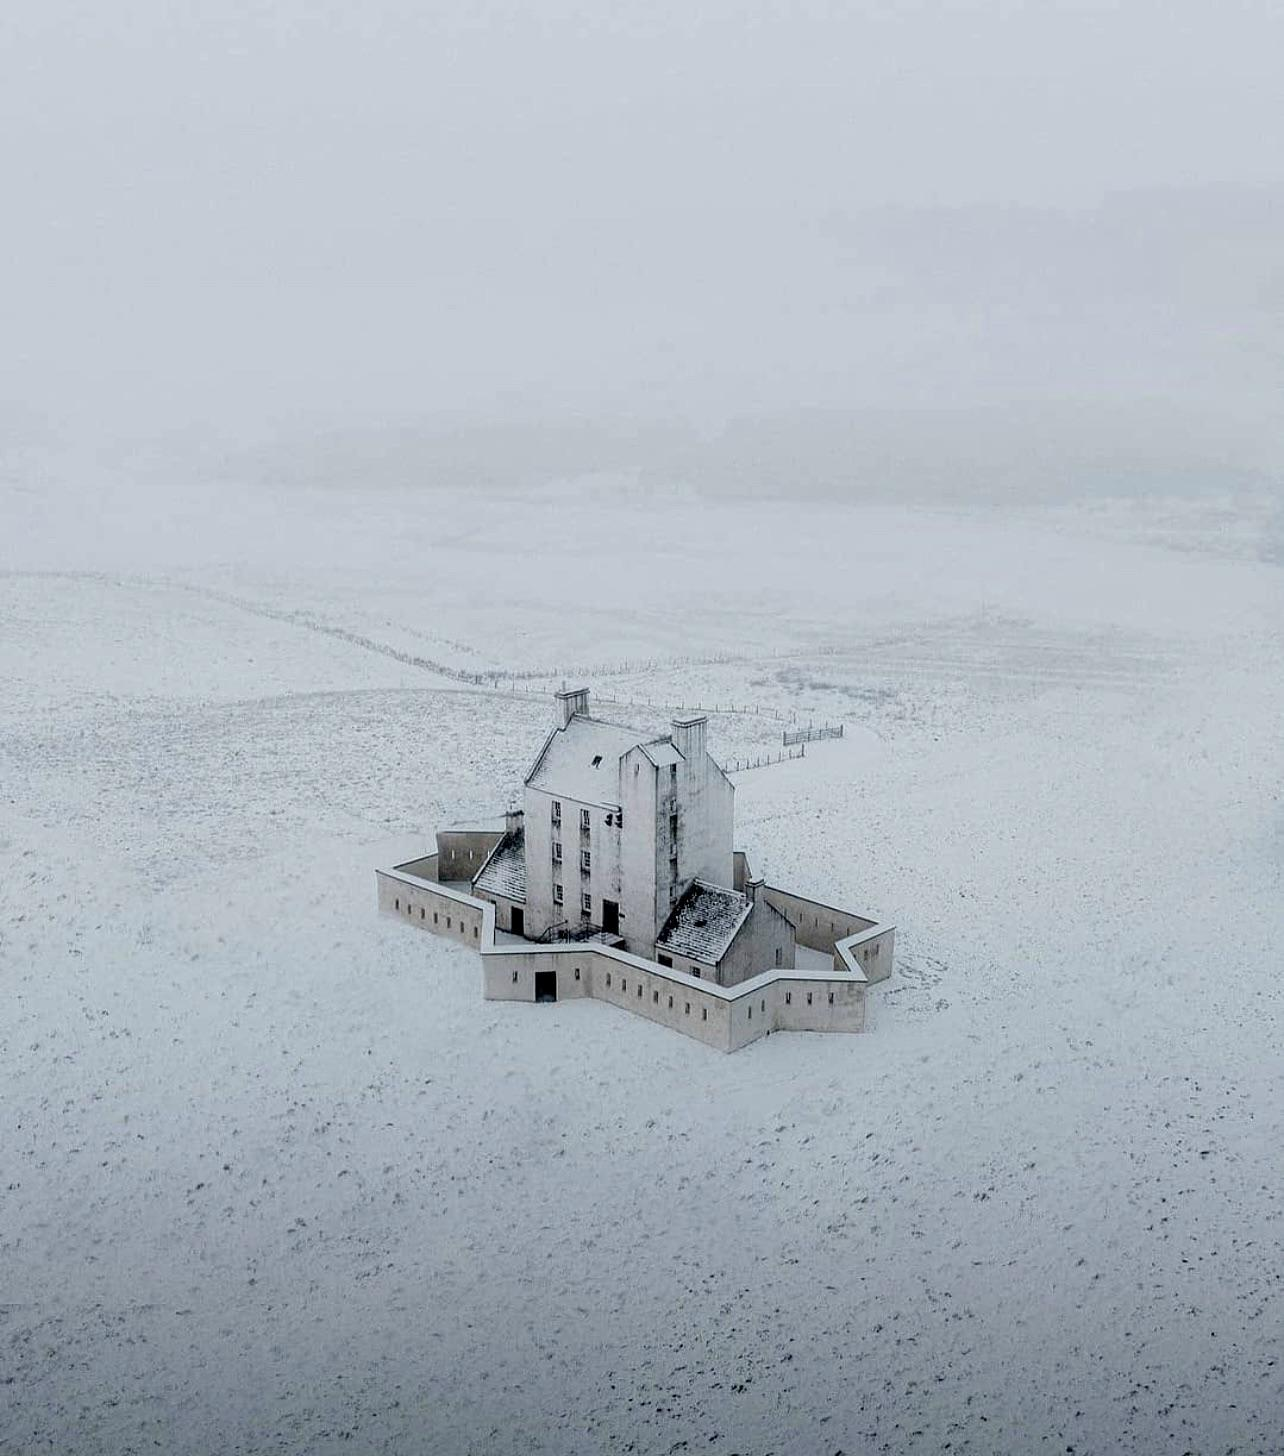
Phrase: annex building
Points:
(617, 879)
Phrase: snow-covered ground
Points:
(275, 1178)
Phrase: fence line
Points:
(739, 765)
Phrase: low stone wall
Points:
(868, 944)
(430, 906)
(726, 1018)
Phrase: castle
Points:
(617, 879)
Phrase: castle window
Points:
(608, 978)
(577, 973)
(557, 894)
(670, 1003)
(808, 998)
(557, 811)
(639, 990)
(585, 821)
(448, 925)
(557, 851)
(586, 904)
(397, 904)
(514, 978)
(789, 998)
(831, 998)
(586, 860)
(704, 1013)
(655, 997)
(695, 973)
(624, 985)
(688, 1010)
(423, 914)
(434, 917)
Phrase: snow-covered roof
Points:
(661, 752)
(704, 922)
(504, 872)
(582, 760)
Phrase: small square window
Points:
(665, 960)
(695, 973)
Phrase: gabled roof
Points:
(704, 922)
(582, 760)
(662, 752)
(504, 872)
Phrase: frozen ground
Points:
(274, 1178)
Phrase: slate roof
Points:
(504, 873)
(704, 922)
(565, 765)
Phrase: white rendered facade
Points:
(617, 826)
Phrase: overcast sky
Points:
(221, 214)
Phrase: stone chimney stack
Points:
(753, 886)
(513, 819)
(689, 736)
(569, 702)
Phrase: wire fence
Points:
(766, 760)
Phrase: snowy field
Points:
(276, 1179)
